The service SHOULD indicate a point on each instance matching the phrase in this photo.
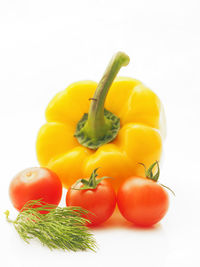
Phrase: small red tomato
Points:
(33, 184)
(142, 201)
(95, 195)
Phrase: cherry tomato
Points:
(142, 201)
(100, 202)
(33, 184)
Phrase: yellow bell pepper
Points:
(80, 135)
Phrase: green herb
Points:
(63, 228)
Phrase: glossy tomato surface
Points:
(142, 201)
(100, 202)
(33, 184)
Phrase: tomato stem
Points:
(168, 189)
(149, 174)
(92, 183)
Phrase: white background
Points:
(45, 46)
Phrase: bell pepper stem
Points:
(101, 126)
(96, 121)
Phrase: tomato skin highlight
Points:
(100, 202)
(33, 184)
(142, 201)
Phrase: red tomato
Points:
(142, 201)
(33, 184)
(100, 201)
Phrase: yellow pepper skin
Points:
(139, 139)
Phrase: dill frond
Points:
(60, 228)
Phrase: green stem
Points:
(100, 126)
(96, 122)
(92, 183)
(154, 177)
(7, 213)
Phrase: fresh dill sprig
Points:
(60, 228)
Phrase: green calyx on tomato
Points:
(154, 177)
(149, 172)
(92, 183)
